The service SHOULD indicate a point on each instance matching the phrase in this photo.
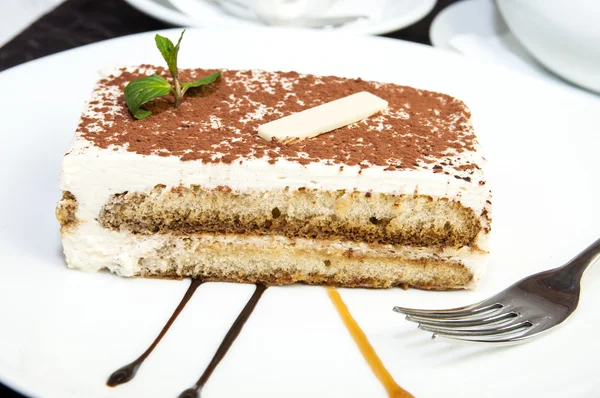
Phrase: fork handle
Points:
(577, 266)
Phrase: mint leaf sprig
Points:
(146, 89)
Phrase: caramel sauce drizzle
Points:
(367, 351)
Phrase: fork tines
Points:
(483, 322)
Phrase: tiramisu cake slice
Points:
(395, 199)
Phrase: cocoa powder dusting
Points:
(219, 123)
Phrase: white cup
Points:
(563, 35)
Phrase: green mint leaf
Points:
(148, 88)
(143, 90)
(141, 114)
(201, 82)
(169, 51)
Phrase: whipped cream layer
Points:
(92, 248)
(93, 174)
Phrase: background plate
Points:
(63, 332)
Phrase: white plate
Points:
(63, 331)
(385, 15)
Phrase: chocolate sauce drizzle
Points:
(127, 372)
(232, 334)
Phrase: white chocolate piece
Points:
(323, 118)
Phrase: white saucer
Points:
(384, 15)
(476, 29)
(466, 17)
(162, 10)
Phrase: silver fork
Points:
(525, 310)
